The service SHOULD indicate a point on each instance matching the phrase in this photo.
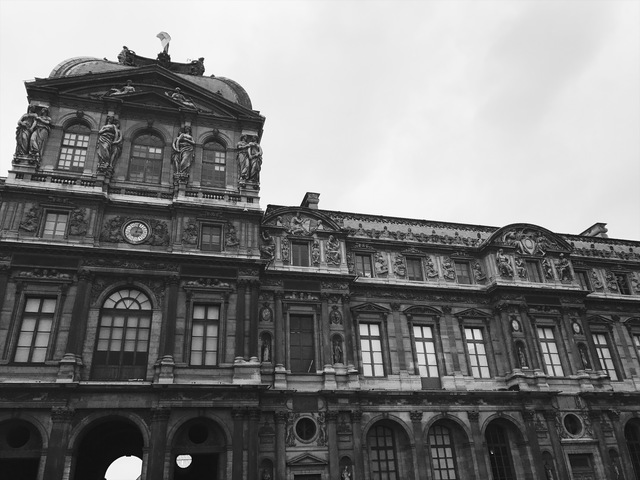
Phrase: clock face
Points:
(136, 232)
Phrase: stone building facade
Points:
(150, 307)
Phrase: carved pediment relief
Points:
(473, 312)
(529, 240)
(306, 460)
(370, 308)
(422, 310)
(298, 222)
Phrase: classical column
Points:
(4, 279)
(281, 448)
(532, 438)
(530, 336)
(348, 333)
(478, 443)
(421, 452)
(332, 437)
(238, 444)
(169, 323)
(252, 453)
(501, 317)
(456, 343)
(79, 314)
(323, 325)
(253, 320)
(158, 443)
(595, 417)
(240, 312)
(279, 331)
(558, 454)
(61, 424)
(356, 429)
(397, 325)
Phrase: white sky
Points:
(481, 112)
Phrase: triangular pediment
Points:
(370, 308)
(152, 87)
(422, 310)
(306, 460)
(528, 239)
(473, 312)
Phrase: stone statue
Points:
(109, 146)
(39, 133)
(564, 269)
(548, 271)
(268, 248)
(128, 88)
(522, 357)
(249, 159)
(231, 236)
(478, 274)
(380, 264)
(448, 271)
(520, 268)
(23, 132)
(346, 475)
(178, 96)
(265, 353)
(337, 352)
(183, 154)
(297, 225)
(504, 265)
(197, 67)
(332, 253)
(548, 472)
(126, 57)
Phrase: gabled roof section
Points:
(306, 459)
(370, 308)
(113, 85)
(528, 239)
(83, 66)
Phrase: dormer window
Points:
(146, 159)
(214, 165)
(73, 153)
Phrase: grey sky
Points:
(464, 111)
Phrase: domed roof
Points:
(225, 87)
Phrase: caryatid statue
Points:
(183, 154)
(109, 146)
(249, 159)
(39, 133)
(23, 132)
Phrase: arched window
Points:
(73, 152)
(383, 454)
(214, 165)
(442, 453)
(146, 159)
(632, 436)
(123, 337)
(499, 448)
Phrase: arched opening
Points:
(73, 151)
(389, 452)
(214, 164)
(508, 457)
(632, 436)
(20, 450)
(124, 468)
(145, 165)
(103, 445)
(449, 457)
(198, 451)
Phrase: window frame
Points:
(74, 148)
(551, 369)
(197, 321)
(622, 281)
(374, 444)
(58, 212)
(582, 278)
(204, 247)
(431, 321)
(506, 466)
(380, 337)
(612, 366)
(485, 344)
(534, 270)
(469, 272)
(219, 180)
(303, 247)
(52, 316)
(304, 309)
(438, 447)
(363, 256)
(416, 262)
(159, 158)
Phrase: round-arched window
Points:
(214, 165)
(146, 159)
(73, 151)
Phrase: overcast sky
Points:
(481, 112)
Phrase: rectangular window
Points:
(35, 330)
(214, 165)
(477, 352)
(533, 271)
(463, 272)
(301, 344)
(211, 238)
(300, 254)
(55, 224)
(583, 280)
(425, 351)
(74, 151)
(146, 164)
(371, 346)
(549, 350)
(414, 269)
(363, 265)
(623, 284)
(204, 335)
(604, 355)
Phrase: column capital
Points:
(61, 414)
(332, 417)
(356, 415)
(416, 416)
(446, 309)
(474, 415)
(84, 274)
(281, 417)
(160, 414)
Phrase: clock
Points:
(135, 232)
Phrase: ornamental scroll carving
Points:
(528, 241)
(332, 251)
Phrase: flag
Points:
(165, 38)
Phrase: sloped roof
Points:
(229, 89)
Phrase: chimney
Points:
(311, 200)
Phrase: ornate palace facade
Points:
(150, 307)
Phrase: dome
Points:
(227, 88)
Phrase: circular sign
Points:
(135, 232)
(183, 461)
